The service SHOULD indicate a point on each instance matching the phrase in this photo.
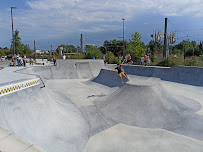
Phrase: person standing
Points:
(64, 57)
(24, 61)
(120, 59)
(18, 60)
(21, 60)
(13, 61)
(126, 58)
(146, 59)
(142, 60)
(54, 59)
(103, 57)
(31, 62)
(129, 59)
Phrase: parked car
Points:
(3, 58)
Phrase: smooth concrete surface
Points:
(45, 118)
(8, 75)
(150, 107)
(4, 64)
(84, 106)
(9, 142)
(75, 89)
(122, 138)
(186, 92)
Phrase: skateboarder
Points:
(121, 73)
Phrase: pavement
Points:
(85, 107)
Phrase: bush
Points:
(110, 58)
(175, 61)
(76, 56)
(201, 57)
(93, 53)
(194, 61)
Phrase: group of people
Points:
(126, 60)
(17, 60)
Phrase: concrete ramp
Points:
(45, 118)
(150, 107)
(179, 74)
(83, 70)
(108, 78)
(68, 69)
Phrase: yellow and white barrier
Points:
(4, 90)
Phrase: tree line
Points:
(114, 48)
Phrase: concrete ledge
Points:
(7, 89)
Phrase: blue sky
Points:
(54, 22)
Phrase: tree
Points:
(190, 48)
(5, 51)
(71, 49)
(110, 58)
(27, 50)
(114, 46)
(18, 44)
(92, 51)
(155, 47)
(136, 48)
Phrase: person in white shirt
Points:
(64, 57)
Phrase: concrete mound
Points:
(122, 137)
(150, 107)
(45, 118)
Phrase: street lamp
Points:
(12, 29)
(123, 39)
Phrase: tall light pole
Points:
(12, 29)
(123, 39)
(51, 51)
(165, 39)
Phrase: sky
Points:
(55, 22)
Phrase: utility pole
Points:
(184, 54)
(13, 30)
(165, 39)
(34, 51)
(123, 40)
(51, 50)
(81, 43)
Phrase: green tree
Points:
(155, 47)
(5, 51)
(110, 58)
(114, 46)
(136, 48)
(92, 51)
(27, 50)
(18, 44)
(71, 49)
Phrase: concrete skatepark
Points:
(81, 106)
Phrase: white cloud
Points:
(59, 18)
